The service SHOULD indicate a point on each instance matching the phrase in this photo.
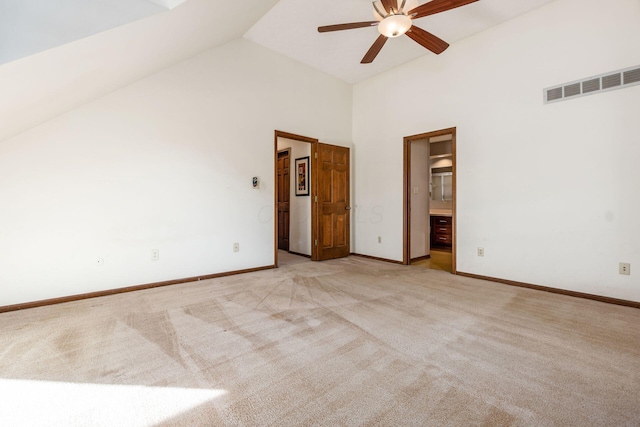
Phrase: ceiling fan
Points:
(395, 18)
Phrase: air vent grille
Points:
(596, 84)
(612, 80)
(632, 76)
(590, 85)
(572, 90)
(554, 94)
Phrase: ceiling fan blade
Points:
(350, 26)
(374, 50)
(437, 6)
(427, 40)
(389, 4)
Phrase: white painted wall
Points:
(566, 224)
(420, 219)
(165, 163)
(299, 206)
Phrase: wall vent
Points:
(632, 76)
(590, 85)
(572, 90)
(612, 80)
(596, 84)
(554, 94)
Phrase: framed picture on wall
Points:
(302, 176)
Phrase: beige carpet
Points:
(339, 343)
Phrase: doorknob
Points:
(347, 208)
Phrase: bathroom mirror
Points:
(441, 184)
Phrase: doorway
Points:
(316, 223)
(294, 216)
(430, 200)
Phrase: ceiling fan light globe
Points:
(394, 25)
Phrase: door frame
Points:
(313, 192)
(406, 226)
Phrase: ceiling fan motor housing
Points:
(379, 11)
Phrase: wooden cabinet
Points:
(441, 232)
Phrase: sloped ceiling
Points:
(38, 87)
(31, 26)
(290, 28)
(160, 33)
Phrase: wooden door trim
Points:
(287, 135)
(315, 216)
(312, 141)
(406, 224)
(406, 202)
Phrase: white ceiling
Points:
(32, 26)
(290, 28)
(43, 85)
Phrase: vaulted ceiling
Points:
(38, 87)
(59, 54)
(290, 28)
(31, 26)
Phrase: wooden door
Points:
(283, 199)
(332, 205)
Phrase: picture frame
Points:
(302, 176)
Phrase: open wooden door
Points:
(332, 233)
(283, 194)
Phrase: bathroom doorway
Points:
(430, 200)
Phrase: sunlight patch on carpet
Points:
(28, 402)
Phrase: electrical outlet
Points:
(236, 247)
(480, 251)
(379, 239)
(625, 268)
(155, 254)
(415, 190)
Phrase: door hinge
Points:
(316, 242)
(315, 155)
(315, 199)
